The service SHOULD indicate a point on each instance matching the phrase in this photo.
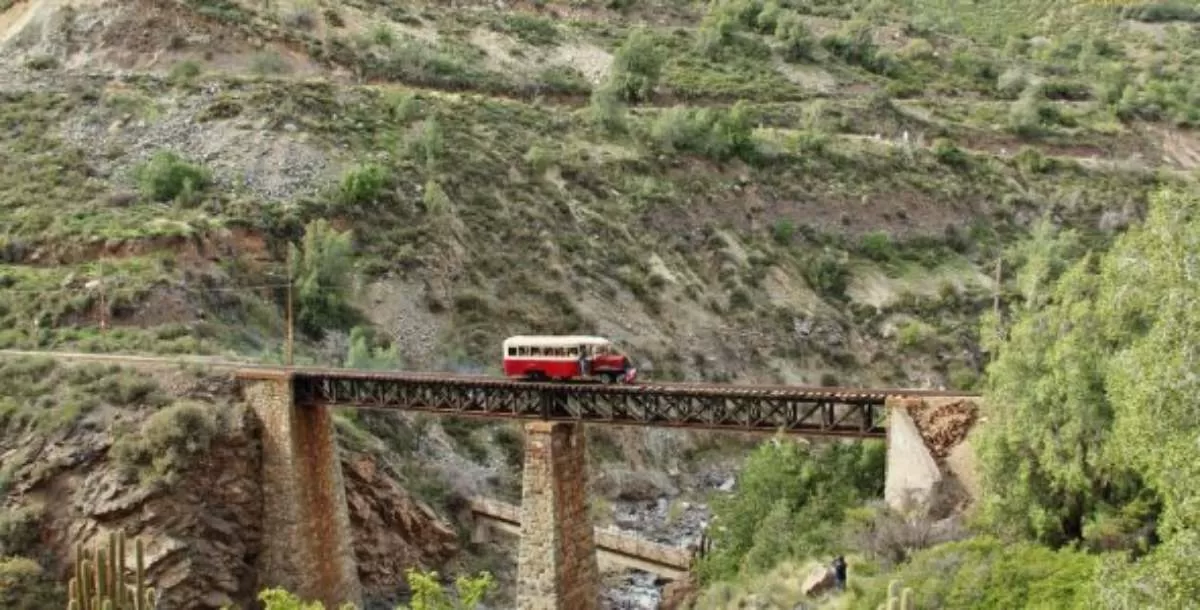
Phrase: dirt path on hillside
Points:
(139, 361)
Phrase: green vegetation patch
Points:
(44, 396)
(789, 503)
(989, 573)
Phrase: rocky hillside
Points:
(173, 458)
(572, 166)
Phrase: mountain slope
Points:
(785, 245)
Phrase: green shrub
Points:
(427, 594)
(989, 573)
(798, 41)
(169, 177)
(19, 530)
(364, 185)
(512, 445)
(606, 110)
(878, 246)
(716, 133)
(25, 585)
(636, 66)
(782, 231)
(462, 431)
(828, 273)
(167, 441)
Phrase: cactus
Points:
(903, 601)
(101, 582)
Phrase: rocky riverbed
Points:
(667, 520)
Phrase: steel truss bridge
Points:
(835, 412)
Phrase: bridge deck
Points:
(663, 559)
(842, 412)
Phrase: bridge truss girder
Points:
(808, 412)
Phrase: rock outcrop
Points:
(820, 581)
(392, 530)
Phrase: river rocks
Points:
(634, 590)
(633, 485)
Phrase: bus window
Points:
(573, 352)
(512, 351)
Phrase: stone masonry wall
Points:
(306, 545)
(557, 567)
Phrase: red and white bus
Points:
(572, 357)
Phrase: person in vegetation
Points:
(839, 572)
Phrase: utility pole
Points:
(103, 301)
(288, 347)
(996, 295)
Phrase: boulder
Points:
(819, 581)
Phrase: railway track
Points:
(490, 381)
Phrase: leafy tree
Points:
(637, 66)
(1093, 422)
(789, 502)
(322, 270)
(1164, 580)
(429, 595)
(1042, 453)
(1151, 287)
(363, 355)
(279, 599)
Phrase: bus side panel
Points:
(514, 367)
(555, 369)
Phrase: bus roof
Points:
(555, 340)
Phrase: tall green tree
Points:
(788, 504)
(1093, 420)
(1042, 452)
(1151, 304)
(323, 273)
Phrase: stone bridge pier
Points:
(557, 567)
(307, 542)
